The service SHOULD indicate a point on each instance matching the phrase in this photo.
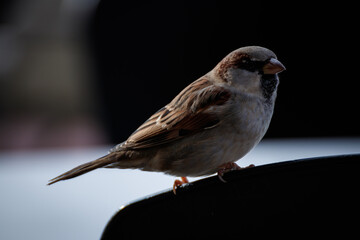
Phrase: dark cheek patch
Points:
(269, 83)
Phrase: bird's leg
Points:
(178, 183)
(228, 167)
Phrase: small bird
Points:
(207, 127)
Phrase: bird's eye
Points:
(245, 60)
(247, 64)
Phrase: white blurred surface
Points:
(80, 208)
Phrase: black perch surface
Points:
(308, 197)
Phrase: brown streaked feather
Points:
(183, 116)
(86, 167)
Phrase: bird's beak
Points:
(273, 66)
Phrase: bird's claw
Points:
(228, 167)
(178, 183)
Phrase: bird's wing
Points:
(184, 116)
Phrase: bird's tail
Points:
(86, 167)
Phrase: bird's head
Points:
(251, 69)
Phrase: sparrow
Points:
(207, 127)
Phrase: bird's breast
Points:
(248, 126)
(253, 119)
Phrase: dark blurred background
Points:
(82, 73)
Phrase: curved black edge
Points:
(301, 197)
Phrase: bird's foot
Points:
(228, 167)
(178, 183)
